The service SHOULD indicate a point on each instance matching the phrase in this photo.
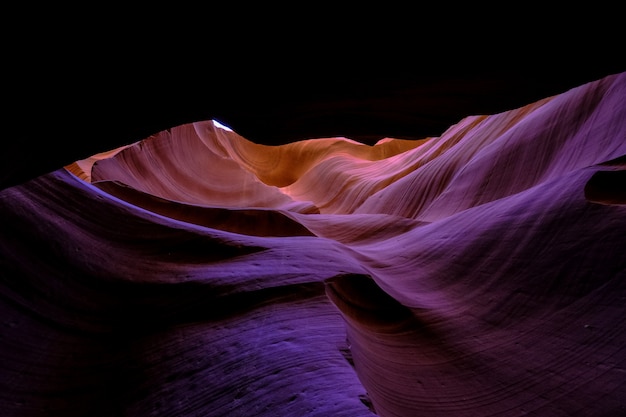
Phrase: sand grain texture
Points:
(196, 273)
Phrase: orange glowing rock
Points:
(195, 272)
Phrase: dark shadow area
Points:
(607, 187)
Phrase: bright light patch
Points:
(221, 126)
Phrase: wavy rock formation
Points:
(197, 273)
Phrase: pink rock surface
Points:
(197, 273)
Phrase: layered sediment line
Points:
(197, 273)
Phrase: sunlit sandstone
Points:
(197, 273)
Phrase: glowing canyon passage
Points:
(197, 273)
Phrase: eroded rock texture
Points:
(197, 273)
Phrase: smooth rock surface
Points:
(198, 273)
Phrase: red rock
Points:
(195, 272)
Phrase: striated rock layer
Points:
(197, 273)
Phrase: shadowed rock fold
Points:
(197, 273)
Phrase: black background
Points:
(81, 82)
